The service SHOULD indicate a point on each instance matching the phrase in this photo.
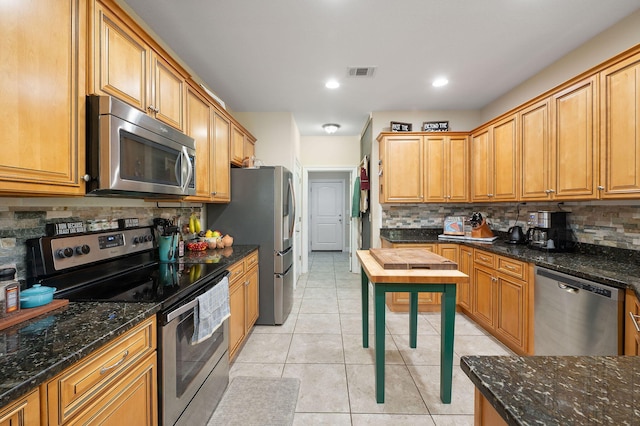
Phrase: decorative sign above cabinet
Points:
(435, 126)
(400, 127)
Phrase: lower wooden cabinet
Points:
(632, 324)
(116, 382)
(502, 299)
(463, 291)
(484, 413)
(244, 299)
(23, 412)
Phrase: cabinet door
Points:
(619, 135)
(536, 155)
(237, 146)
(573, 141)
(402, 169)
(631, 333)
(249, 147)
(168, 92)
(237, 328)
(134, 399)
(221, 166)
(42, 87)
(436, 165)
(23, 412)
(121, 61)
(253, 297)
(481, 166)
(483, 295)
(465, 264)
(511, 311)
(458, 169)
(504, 152)
(198, 126)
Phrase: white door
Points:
(327, 208)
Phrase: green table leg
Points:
(379, 292)
(448, 312)
(413, 319)
(365, 308)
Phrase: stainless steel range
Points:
(121, 266)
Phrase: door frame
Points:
(305, 213)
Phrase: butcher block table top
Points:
(378, 274)
(410, 258)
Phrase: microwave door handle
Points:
(185, 183)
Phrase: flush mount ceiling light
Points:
(330, 128)
(332, 84)
(439, 82)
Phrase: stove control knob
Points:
(65, 252)
(136, 240)
(83, 249)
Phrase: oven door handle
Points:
(181, 310)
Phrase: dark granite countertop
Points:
(613, 267)
(36, 350)
(559, 390)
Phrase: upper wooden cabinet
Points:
(495, 166)
(574, 141)
(619, 134)
(242, 145)
(402, 163)
(42, 112)
(447, 168)
(221, 166)
(535, 135)
(124, 65)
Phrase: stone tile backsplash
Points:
(19, 223)
(613, 225)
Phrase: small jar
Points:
(10, 289)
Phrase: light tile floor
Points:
(321, 344)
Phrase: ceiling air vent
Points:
(361, 71)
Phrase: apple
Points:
(216, 234)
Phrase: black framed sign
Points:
(435, 126)
(396, 126)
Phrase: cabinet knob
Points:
(600, 188)
(214, 193)
(86, 178)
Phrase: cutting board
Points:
(26, 314)
(410, 258)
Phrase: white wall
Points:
(334, 151)
(612, 41)
(278, 137)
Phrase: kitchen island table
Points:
(412, 281)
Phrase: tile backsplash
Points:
(612, 224)
(27, 218)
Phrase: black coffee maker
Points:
(549, 231)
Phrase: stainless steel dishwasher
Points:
(574, 316)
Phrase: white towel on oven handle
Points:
(211, 311)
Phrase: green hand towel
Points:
(355, 203)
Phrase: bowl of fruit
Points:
(197, 246)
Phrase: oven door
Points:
(193, 376)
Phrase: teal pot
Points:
(36, 296)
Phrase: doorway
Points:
(326, 212)
(347, 175)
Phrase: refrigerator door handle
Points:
(293, 204)
(284, 252)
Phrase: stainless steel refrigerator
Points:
(262, 211)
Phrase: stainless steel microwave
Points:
(131, 154)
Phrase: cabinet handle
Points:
(549, 191)
(511, 268)
(151, 108)
(104, 370)
(246, 283)
(600, 188)
(489, 195)
(635, 318)
(214, 193)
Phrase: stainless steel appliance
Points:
(132, 154)
(549, 231)
(121, 266)
(574, 316)
(262, 211)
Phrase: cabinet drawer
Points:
(251, 261)
(71, 390)
(484, 258)
(512, 267)
(236, 271)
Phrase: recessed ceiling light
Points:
(330, 128)
(439, 82)
(332, 84)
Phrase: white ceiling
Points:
(275, 56)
